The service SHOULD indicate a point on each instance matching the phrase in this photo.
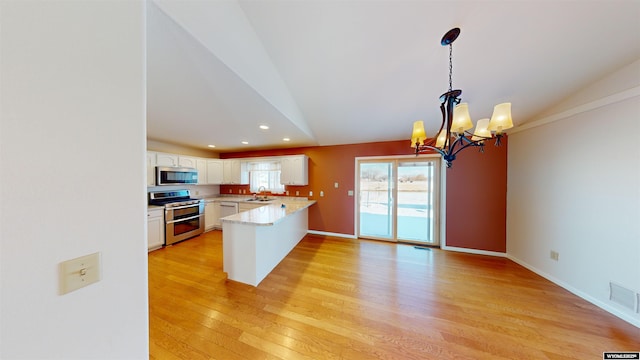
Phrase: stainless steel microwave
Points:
(176, 175)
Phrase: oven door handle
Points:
(184, 219)
(183, 207)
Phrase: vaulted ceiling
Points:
(323, 72)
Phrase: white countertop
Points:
(247, 199)
(270, 213)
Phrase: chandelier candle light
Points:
(453, 135)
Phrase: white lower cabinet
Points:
(155, 225)
(211, 216)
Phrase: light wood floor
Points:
(355, 299)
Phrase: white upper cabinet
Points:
(201, 165)
(151, 168)
(188, 161)
(295, 170)
(215, 171)
(234, 172)
(163, 159)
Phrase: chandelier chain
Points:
(450, 67)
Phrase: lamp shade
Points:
(501, 118)
(442, 137)
(418, 135)
(481, 132)
(461, 120)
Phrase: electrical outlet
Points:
(321, 193)
(335, 185)
(554, 255)
(310, 193)
(350, 193)
(79, 272)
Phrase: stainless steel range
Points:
(183, 215)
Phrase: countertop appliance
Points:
(168, 175)
(183, 215)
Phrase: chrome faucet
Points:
(261, 191)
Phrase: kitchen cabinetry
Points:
(294, 170)
(151, 168)
(201, 165)
(155, 228)
(215, 171)
(211, 215)
(163, 159)
(234, 172)
(187, 161)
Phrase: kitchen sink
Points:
(260, 200)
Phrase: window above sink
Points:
(264, 176)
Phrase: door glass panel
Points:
(398, 200)
(376, 206)
(415, 186)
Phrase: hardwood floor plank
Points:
(336, 298)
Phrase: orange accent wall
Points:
(477, 199)
(334, 213)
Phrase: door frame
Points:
(440, 218)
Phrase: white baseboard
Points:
(346, 236)
(614, 311)
(473, 251)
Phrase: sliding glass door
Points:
(398, 199)
(376, 200)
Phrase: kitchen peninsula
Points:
(255, 241)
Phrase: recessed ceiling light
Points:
(286, 139)
(245, 142)
(264, 127)
(211, 146)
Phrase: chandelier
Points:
(454, 135)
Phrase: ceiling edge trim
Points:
(592, 105)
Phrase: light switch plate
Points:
(79, 272)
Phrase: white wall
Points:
(574, 187)
(72, 178)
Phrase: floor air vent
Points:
(622, 296)
(421, 248)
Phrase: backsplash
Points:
(196, 190)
